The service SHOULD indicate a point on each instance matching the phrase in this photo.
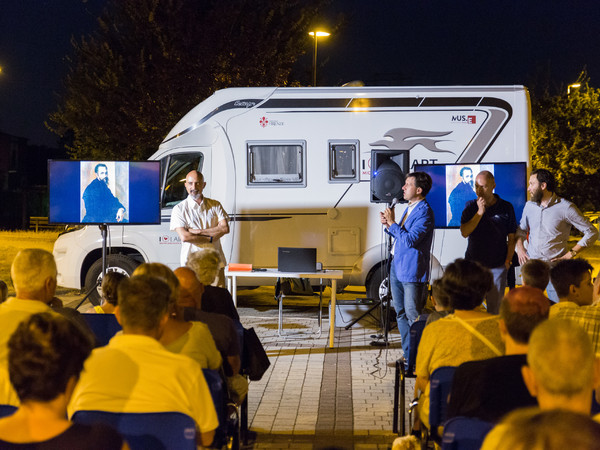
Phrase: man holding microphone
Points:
(409, 272)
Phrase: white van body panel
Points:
(481, 124)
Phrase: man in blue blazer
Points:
(413, 235)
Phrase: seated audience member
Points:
(193, 339)
(572, 280)
(3, 291)
(221, 327)
(440, 302)
(33, 272)
(135, 373)
(490, 388)
(45, 357)
(467, 334)
(206, 264)
(561, 370)
(110, 283)
(536, 273)
(532, 429)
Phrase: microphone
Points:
(395, 201)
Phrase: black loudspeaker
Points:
(388, 174)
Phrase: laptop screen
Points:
(292, 259)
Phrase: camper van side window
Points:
(280, 163)
(343, 161)
(178, 166)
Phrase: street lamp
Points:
(573, 86)
(317, 34)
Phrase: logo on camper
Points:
(464, 119)
(264, 121)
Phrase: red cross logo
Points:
(264, 121)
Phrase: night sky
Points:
(383, 42)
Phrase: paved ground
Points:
(313, 396)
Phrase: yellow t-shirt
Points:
(135, 373)
(12, 312)
(446, 342)
(199, 345)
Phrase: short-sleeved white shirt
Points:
(135, 373)
(189, 214)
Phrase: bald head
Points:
(190, 288)
(194, 184)
(33, 274)
(484, 186)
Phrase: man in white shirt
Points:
(199, 221)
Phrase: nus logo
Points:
(464, 119)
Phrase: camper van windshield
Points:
(179, 165)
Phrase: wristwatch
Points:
(573, 253)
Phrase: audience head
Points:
(465, 283)
(536, 273)
(161, 271)
(534, 429)
(572, 279)
(3, 291)
(143, 304)
(442, 302)
(110, 283)
(561, 367)
(45, 352)
(206, 263)
(190, 288)
(522, 310)
(33, 274)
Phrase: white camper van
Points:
(293, 168)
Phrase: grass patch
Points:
(11, 242)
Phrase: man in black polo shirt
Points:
(489, 224)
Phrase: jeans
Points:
(494, 296)
(409, 300)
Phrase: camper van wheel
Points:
(377, 285)
(114, 263)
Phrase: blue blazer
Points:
(413, 244)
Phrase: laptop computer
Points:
(292, 259)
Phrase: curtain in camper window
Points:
(275, 163)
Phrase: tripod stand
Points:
(385, 300)
(104, 233)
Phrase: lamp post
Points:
(317, 34)
(573, 86)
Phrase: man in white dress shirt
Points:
(199, 221)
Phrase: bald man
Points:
(199, 221)
(490, 225)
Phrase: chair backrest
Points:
(465, 433)
(104, 327)
(416, 331)
(440, 384)
(147, 431)
(7, 410)
(215, 383)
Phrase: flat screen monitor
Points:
(454, 185)
(104, 192)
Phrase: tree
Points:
(150, 61)
(566, 140)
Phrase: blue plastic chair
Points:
(440, 385)
(147, 431)
(7, 410)
(465, 433)
(104, 327)
(416, 331)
